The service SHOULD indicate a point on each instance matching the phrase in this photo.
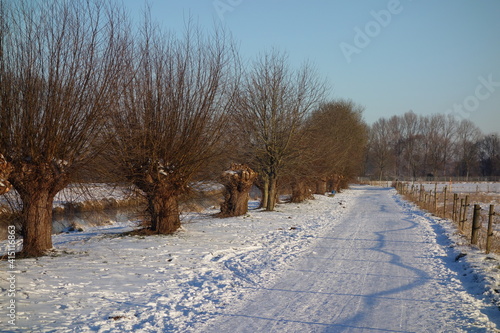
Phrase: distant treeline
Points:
(436, 146)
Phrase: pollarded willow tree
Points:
(59, 64)
(237, 181)
(274, 101)
(172, 114)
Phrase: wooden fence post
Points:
(466, 205)
(455, 203)
(460, 214)
(490, 228)
(435, 200)
(476, 224)
(444, 208)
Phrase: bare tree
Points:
(438, 131)
(336, 138)
(381, 148)
(59, 63)
(411, 142)
(396, 137)
(489, 153)
(420, 146)
(274, 100)
(468, 135)
(449, 136)
(331, 150)
(172, 114)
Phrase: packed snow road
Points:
(381, 268)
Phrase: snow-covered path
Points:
(380, 268)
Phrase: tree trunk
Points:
(238, 181)
(300, 191)
(265, 193)
(331, 184)
(37, 223)
(164, 211)
(272, 193)
(339, 183)
(343, 183)
(235, 204)
(321, 186)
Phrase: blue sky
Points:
(389, 56)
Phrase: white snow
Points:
(91, 192)
(461, 187)
(364, 260)
(76, 194)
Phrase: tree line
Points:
(85, 95)
(411, 146)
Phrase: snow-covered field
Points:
(78, 194)
(102, 281)
(93, 205)
(482, 193)
(462, 187)
(90, 198)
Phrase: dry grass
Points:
(484, 198)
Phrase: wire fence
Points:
(473, 212)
